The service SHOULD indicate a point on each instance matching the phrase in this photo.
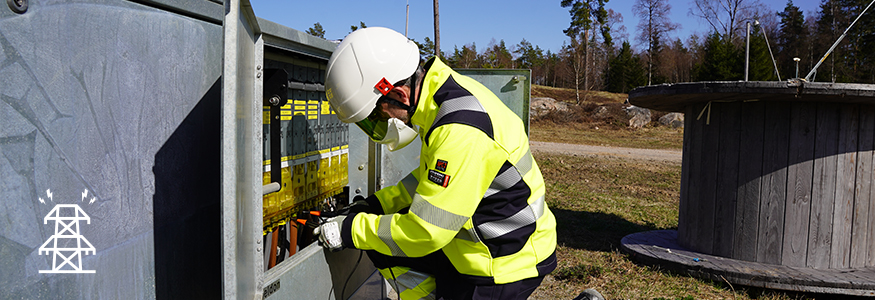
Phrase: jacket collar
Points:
(436, 73)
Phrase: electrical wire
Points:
(343, 291)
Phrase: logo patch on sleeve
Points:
(439, 178)
(441, 165)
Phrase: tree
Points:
(761, 67)
(676, 62)
(825, 32)
(791, 39)
(497, 56)
(575, 58)
(467, 57)
(727, 17)
(354, 28)
(721, 61)
(529, 57)
(426, 49)
(316, 30)
(624, 71)
(586, 16)
(653, 24)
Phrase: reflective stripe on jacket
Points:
(477, 194)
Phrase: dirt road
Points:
(631, 153)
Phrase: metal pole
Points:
(747, 54)
(808, 77)
(774, 63)
(796, 59)
(437, 30)
(407, 19)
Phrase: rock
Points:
(542, 105)
(600, 112)
(673, 120)
(637, 117)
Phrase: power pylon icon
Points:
(67, 244)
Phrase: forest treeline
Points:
(598, 55)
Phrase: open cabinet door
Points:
(241, 151)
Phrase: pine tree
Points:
(625, 71)
(761, 66)
(791, 40)
(721, 60)
(316, 30)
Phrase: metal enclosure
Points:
(136, 113)
(119, 99)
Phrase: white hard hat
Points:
(365, 62)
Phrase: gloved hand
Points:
(358, 207)
(329, 234)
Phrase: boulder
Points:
(673, 120)
(637, 117)
(600, 112)
(542, 105)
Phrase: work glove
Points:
(370, 205)
(329, 234)
(358, 207)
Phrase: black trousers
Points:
(452, 285)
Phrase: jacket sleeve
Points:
(395, 198)
(443, 202)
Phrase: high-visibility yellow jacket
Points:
(477, 194)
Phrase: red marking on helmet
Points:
(384, 86)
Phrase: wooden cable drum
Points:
(773, 174)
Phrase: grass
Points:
(649, 137)
(582, 125)
(599, 200)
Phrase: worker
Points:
(471, 221)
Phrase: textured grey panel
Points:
(512, 86)
(206, 10)
(241, 153)
(97, 98)
(315, 273)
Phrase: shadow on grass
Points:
(593, 231)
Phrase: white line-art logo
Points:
(67, 244)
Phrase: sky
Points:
(480, 22)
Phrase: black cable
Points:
(343, 291)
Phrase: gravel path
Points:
(632, 153)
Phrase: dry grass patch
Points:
(599, 200)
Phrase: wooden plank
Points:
(843, 213)
(801, 166)
(749, 178)
(823, 186)
(727, 181)
(860, 236)
(690, 236)
(708, 179)
(773, 195)
(657, 247)
(683, 207)
(870, 259)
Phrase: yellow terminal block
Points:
(286, 191)
(344, 166)
(299, 182)
(335, 171)
(269, 201)
(323, 178)
(312, 188)
(265, 202)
